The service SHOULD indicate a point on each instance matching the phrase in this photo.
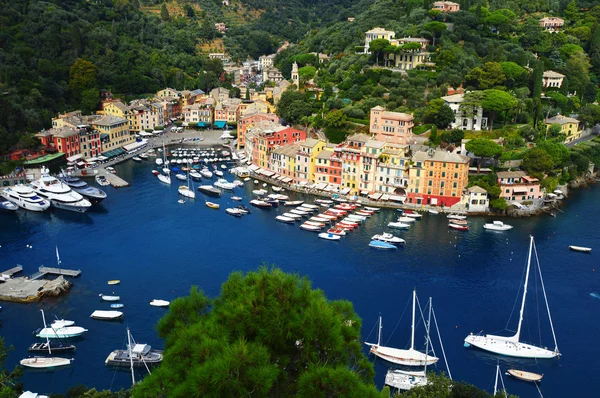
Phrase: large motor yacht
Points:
(59, 194)
(25, 197)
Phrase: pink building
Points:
(393, 127)
(552, 24)
(517, 186)
(446, 6)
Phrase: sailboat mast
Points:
(412, 328)
(518, 334)
(379, 333)
(130, 357)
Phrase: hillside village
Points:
(392, 119)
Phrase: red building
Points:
(62, 139)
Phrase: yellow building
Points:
(568, 126)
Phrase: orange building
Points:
(249, 121)
(394, 127)
(437, 178)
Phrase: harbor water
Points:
(158, 248)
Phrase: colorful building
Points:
(437, 178)
(392, 127)
(517, 186)
(569, 127)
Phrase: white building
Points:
(477, 122)
(477, 200)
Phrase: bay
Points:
(158, 248)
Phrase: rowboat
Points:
(581, 249)
(212, 205)
(459, 227)
(114, 282)
(523, 375)
(328, 236)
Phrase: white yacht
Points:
(59, 194)
(24, 197)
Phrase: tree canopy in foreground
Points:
(267, 334)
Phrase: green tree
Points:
(164, 13)
(497, 101)
(483, 148)
(377, 46)
(439, 113)
(435, 28)
(267, 334)
(537, 161)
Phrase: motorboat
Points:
(525, 376)
(336, 231)
(286, 220)
(109, 298)
(261, 203)
(93, 194)
(212, 205)
(159, 303)
(210, 190)
(329, 236)
(309, 227)
(59, 194)
(458, 227)
(48, 347)
(581, 249)
(377, 244)
(511, 345)
(406, 219)
(102, 181)
(497, 226)
(45, 362)
(232, 211)
(106, 315)
(25, 197)
(388, 238)
(136, 355)
(186, 191)
(236, 198)
(224, 184)
(293, 203)
(398, 225)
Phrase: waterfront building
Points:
(306, 159)
(569, 127)
(552, 79)
(391, 176)
(517, 186)
(114, 132)
(249, 120)
(446, 6)
(476, 199)
(437, 178)
(552, 24)
(465, 122)
(328, 167)
(393, 127)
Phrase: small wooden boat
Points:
(459, 227)
(159, 303)
(329, 236)
(581, 249)
(109, 298)
(106, 315)
(114, 282)
(212, 205)
(523, 375)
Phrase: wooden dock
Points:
(54, 271)
(12, 271)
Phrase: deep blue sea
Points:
(158, 248)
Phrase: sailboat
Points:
(186, 190)
(410, 357)
(511, 345)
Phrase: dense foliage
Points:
(267, 334)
